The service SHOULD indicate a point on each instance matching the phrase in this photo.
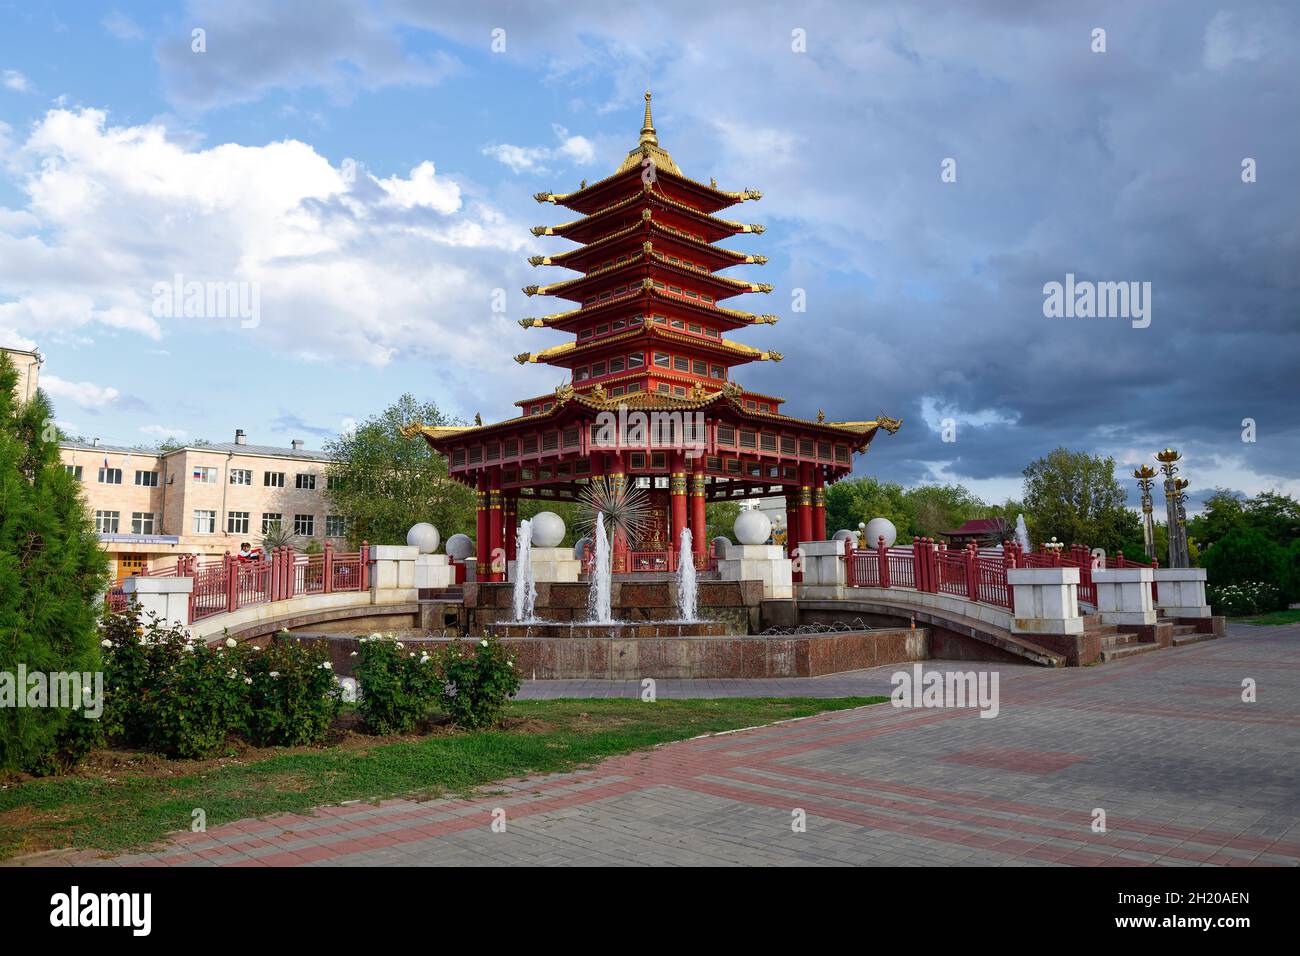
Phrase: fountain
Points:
(1022, 533)
(686, 584)
(598, 603)
(525, 585)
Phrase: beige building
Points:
(28, 365)
(151, 506)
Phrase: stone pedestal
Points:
(552, 565)
(1046, 600)
(393, 567)
(824, 564)
(765, 563)
(434, 571)
(1124, 596)
(167, 598)
(1180, 592)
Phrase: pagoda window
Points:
(618, 324)
(602, 330)
(658, 460)
(661, 320)
(638, 459)
(543, 474)
(494, 451)
(603, 296)
(663, 359)
(589, 300)
(679, 391)
(530, 444)
(675, 288)
(711, 333)
(713, 463)
(527, 474)
(695, 327)
(789, 472)
(665, 388)
(842, 454)
(636, 360)
(774, 471)
(475, 455)
(733, 466)
(824, 450)
(548, 406)
(570, 437)
(751, 405)
(805, 448)
(748, 439)
(657, 284)
(754, 470)
(620, 290)
(681, 363)
(564, 469)
(615, 365)
(678, 324)
(726, 435)
(585, 334)
(597, 369)
(633, 387)
(700, 368)
(616, 391)
(787, 445)
(581, 467)
(718, 371)
(692, 294)
(512, 448)
(705, 297)
(767, 442)
(763, 407)
(458, 457)
(550, 441)
(579, 375)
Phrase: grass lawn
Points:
(123, 800)
(1289, 616)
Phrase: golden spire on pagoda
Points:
(648, 136)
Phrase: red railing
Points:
(642, 561)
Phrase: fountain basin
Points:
(617, 630)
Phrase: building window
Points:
(106, 521)
(148, 479)
(142, 522)
(110, 476)
(615, 365)
(635, 360)
(579, 375)
(205, 522)
(305, 482)
(241, 476)
(273, 479)
(333, 482)
(597, 369)
(663, 359)
(681, 363)
(271, 520)
(304, 525)
(205, 476)
(336, 526)
(74, 471)
(700, 368)
(237, 522)
(718, 371)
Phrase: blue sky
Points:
(370, 167)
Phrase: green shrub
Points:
(291, 692)
(196, 703)
(396, 687)
(137, 652)
(476, 683)
(1241, 600)
(1245, 555)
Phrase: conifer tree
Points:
(52, 578)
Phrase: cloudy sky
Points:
(369, 168)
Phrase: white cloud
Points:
(349, 267)
(1229, 38)
(533, 159)
(121, 26)
(934, 412)
(85, 394)
(162, 431)
(13, 80)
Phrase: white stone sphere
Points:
(844, 535)
(548, 529)
(423, 536)
(460, 547)
(752, 527)
(720, 546)
(580, 549)
(878, 528)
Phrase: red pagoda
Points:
(648, 327)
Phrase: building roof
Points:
(261, 451)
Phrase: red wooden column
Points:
(819, 504)
(510, 515)
(484, 554)
(496, 527)
(698, 530)
(791, 521)
(805, 503)
(677, 499)
(618, 484)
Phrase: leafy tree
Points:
(855, 500)
(720, 518)
(1224, 510)
(52, 577)
(1075, 497)
(939, 508)
(1274, 515)
(1247, 555)
(385, 483)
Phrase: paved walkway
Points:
(1186, 772)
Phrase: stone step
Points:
(1115, 653)
(1119, 640)
(1180, 629)
(1181, 640)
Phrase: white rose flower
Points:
(230, 642)
(248, 680)
(353, 654)
(483, 643)
(400, 645)
(376, 636)
(106, 643)
(275, 673)
(326, 665)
